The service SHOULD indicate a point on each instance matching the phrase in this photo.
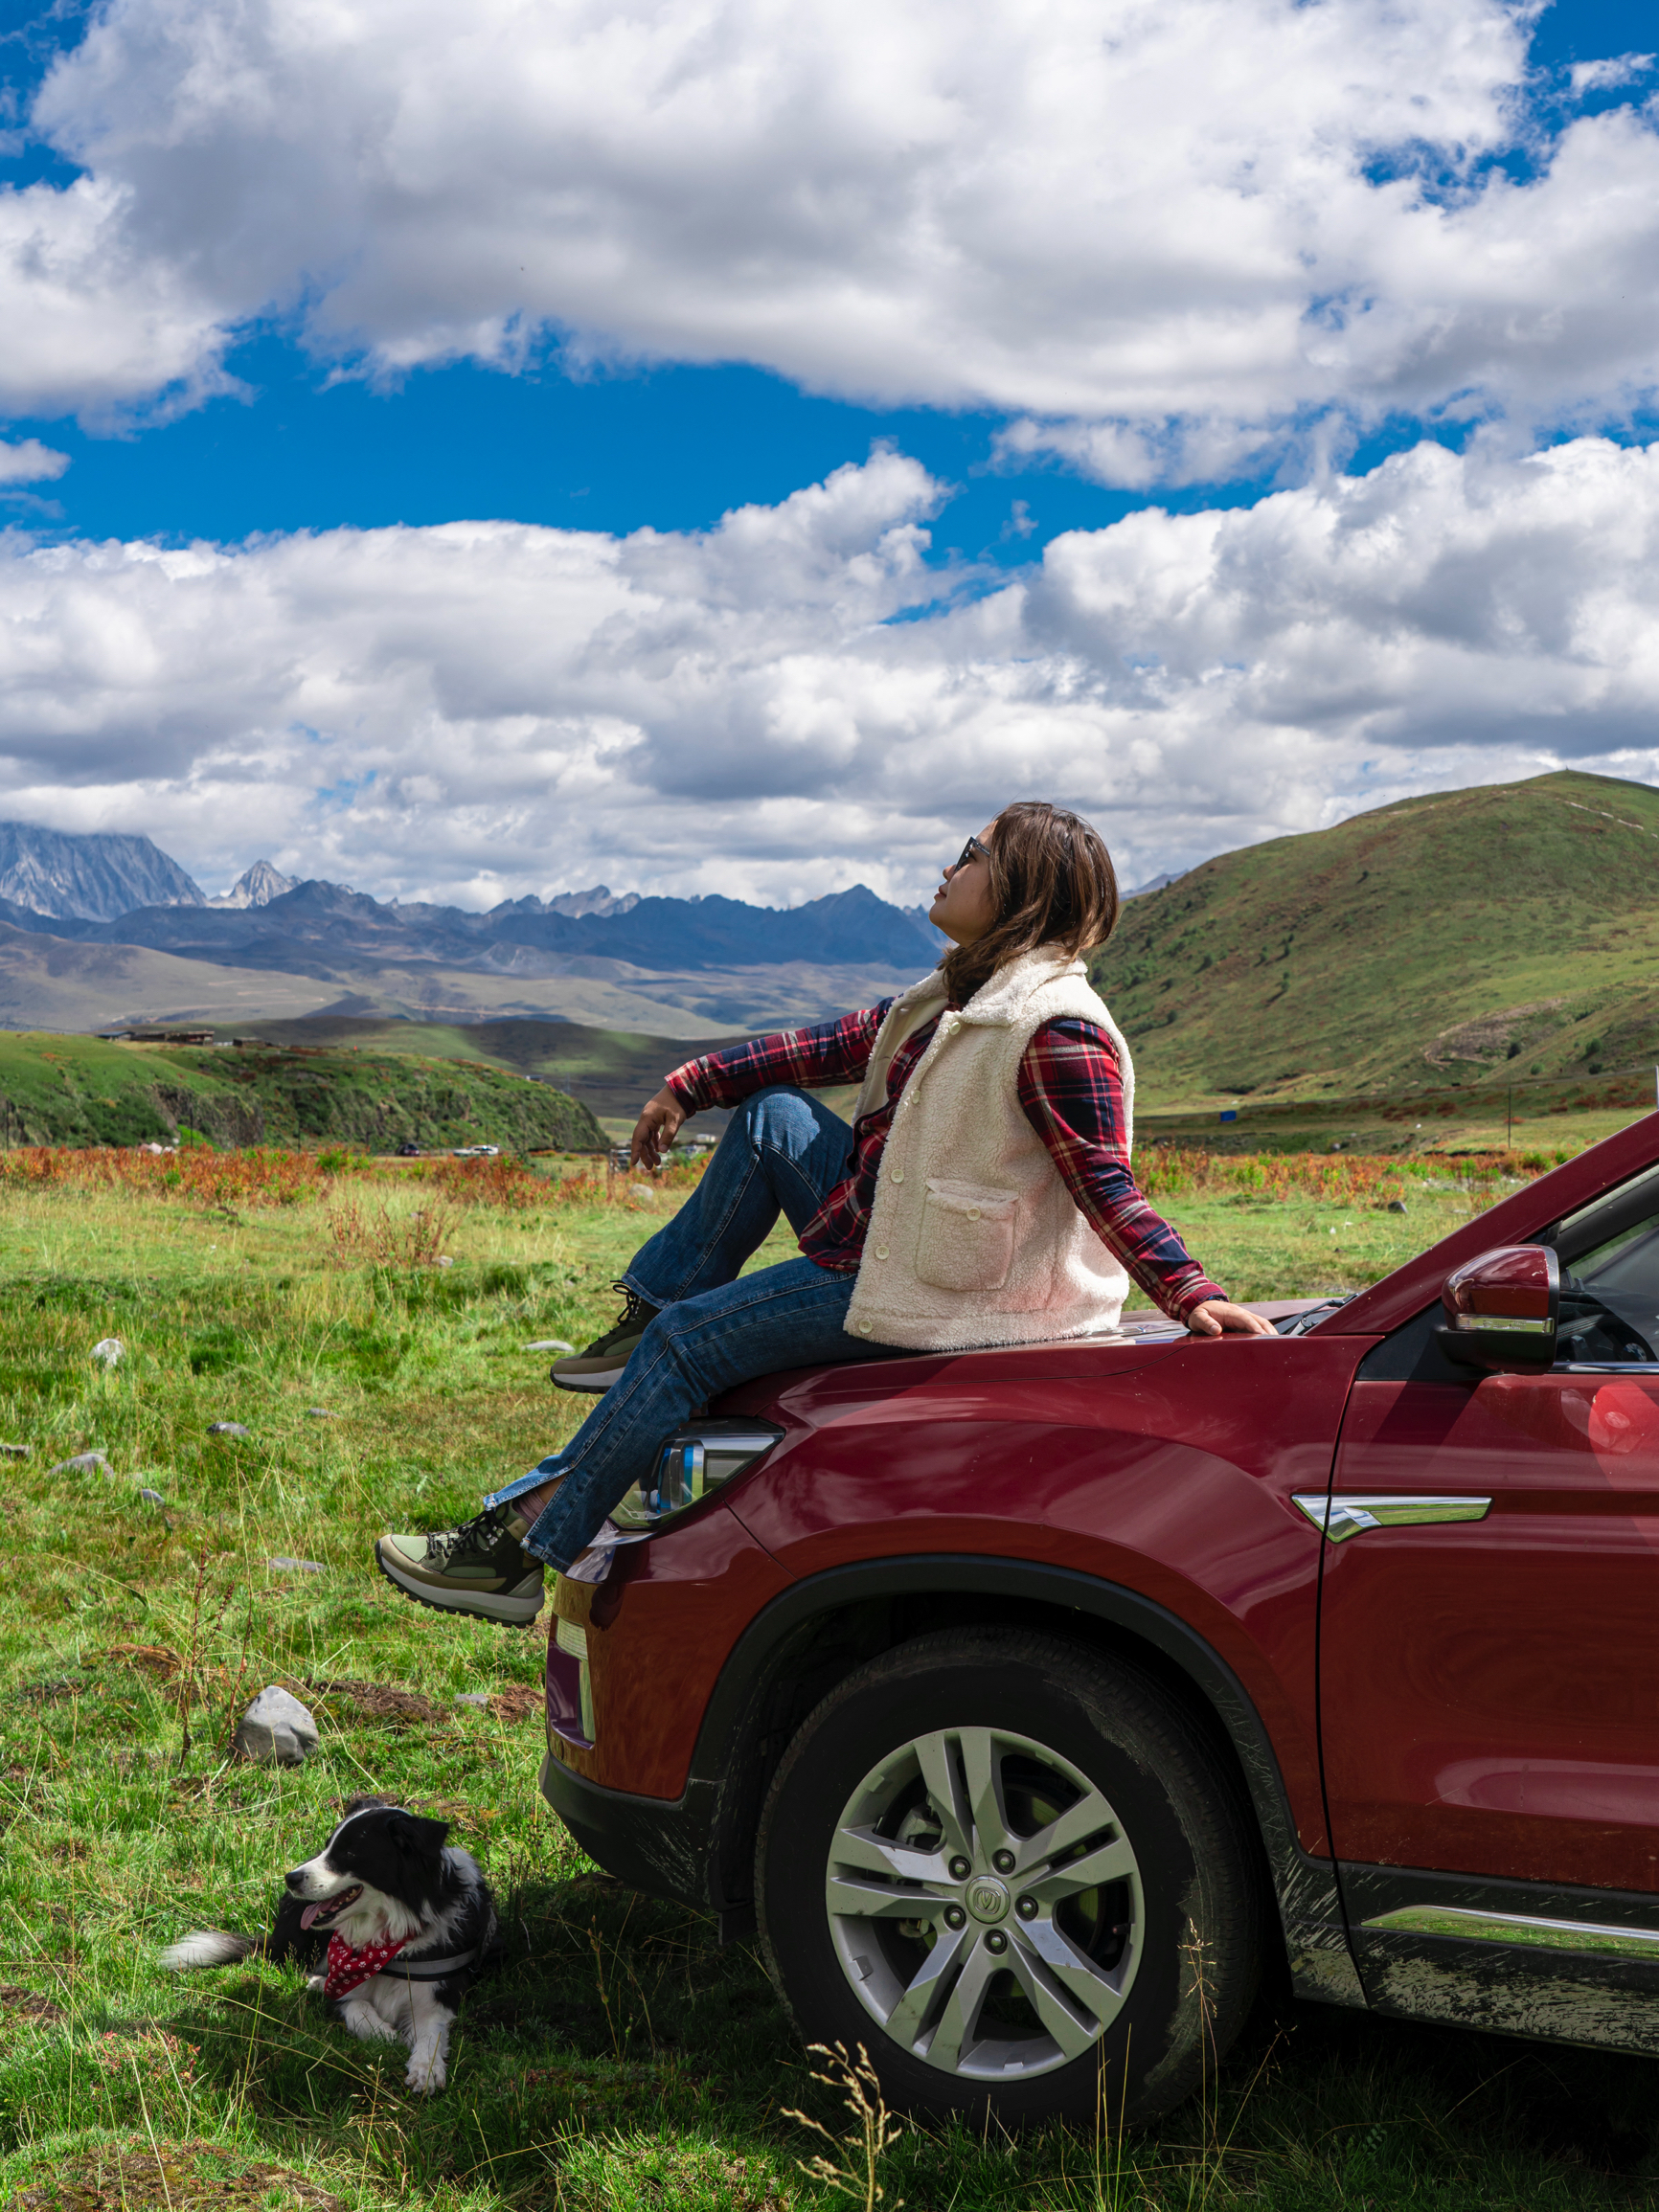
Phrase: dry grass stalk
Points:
(1109, 2157)
(357, 1239)
(859, 2152)
(192, 1676)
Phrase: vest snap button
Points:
(973, 1213)
(882, 1251)
(898, 1175)
(864, 1328)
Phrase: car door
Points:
(1489, 1617)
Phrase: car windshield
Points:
(1611, 1286)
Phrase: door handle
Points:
(1347, 1514)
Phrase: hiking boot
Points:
(481, 1567)
(598, 1367)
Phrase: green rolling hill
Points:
(612, 1072)
(72, 1090)
(1507, 931)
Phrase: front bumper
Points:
(663, 1847)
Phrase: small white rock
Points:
(472, 1698)
(13, 1451)
(297, 1566)
(549, 1344)
(110, 1350)
(228, 1429)
(446, 1262)
(276, 1729)
(318, 1413)
(152, 1496)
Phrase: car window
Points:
(1610, 1287)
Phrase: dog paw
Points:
(425, 2076)
(364, 2023)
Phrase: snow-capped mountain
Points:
(93, 877)
(258, 886)
(600, 900)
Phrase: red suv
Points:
(1028, 1700)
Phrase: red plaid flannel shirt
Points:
(1071, 1092)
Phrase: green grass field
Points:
(616, 2057)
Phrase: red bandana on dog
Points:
(348, 1968)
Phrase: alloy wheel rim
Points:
(984, 1903)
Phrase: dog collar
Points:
(434, 1969)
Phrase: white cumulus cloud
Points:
(1602, 75)
(1165, 239)
(795, 701)
(96, 319)
(28, 461)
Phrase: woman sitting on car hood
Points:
(981, 1196)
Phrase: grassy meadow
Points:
(616, 2060)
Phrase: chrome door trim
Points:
(1647, 1368)
(1459, 1920)
(1347, 1513)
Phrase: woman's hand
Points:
(656, 1130)
(1220, 1316)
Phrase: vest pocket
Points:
(966, 1240)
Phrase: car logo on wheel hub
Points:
(987, 1898)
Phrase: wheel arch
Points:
(813, 1635)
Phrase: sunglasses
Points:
(972, 850)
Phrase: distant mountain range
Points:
(587, 955)
(326, 931)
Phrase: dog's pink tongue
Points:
(310, 1913)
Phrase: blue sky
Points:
(666, 447)
(1143, 408)
(307, 444)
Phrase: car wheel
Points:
(1017, 1872)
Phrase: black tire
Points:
(1174, 1942)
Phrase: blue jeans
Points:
(781, 1152)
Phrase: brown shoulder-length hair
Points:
(1052, 882)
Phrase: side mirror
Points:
(1502, 1309)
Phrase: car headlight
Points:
(695, 1460)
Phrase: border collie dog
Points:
(407, 1920)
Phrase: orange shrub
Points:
(268, 1176)
(498, 1182)
(262, 1177)
(1343, 1178)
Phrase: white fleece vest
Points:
(974, 1239)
